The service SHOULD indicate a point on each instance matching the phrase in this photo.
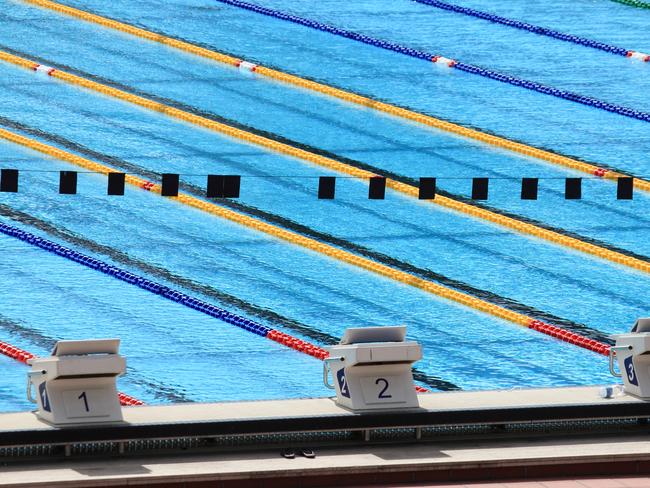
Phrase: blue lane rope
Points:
(556, 92)
(468, 68)
(133, 279)
(391, 46)
(526, 27)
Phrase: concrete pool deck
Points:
(434, 459)
(443, 408)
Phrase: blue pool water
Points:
(169, 347)
(538, 119)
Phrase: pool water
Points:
(178, 354)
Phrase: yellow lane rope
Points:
(286, 235)
(354, 98)
(404, 188)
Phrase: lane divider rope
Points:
(330, 163)
(350, 97)
(543, 31)
(23, 356)
(163, 291)
(300, 240)
(426, 56)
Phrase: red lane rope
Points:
(15, 352)
(298, 344)
(128, 400)
(570, 337)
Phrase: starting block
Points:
(372, 369)
(632, 354)
(77, 383)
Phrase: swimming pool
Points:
(169, 347)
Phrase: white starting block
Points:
(632, 353)
(77, 383)
(372, 369)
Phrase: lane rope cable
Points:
(634, 3)
(536, 29)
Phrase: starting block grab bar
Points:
(30, 382)
(327, 370)
(613, 351)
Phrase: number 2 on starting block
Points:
(384, 389)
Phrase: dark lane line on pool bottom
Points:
(46, 342)
(399, 183)
(307, 231)
(206, 290)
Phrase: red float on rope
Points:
(637, 55)
(41, 68)
(297, 344)
(148, 185)
(570, 337)
(128, 400)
